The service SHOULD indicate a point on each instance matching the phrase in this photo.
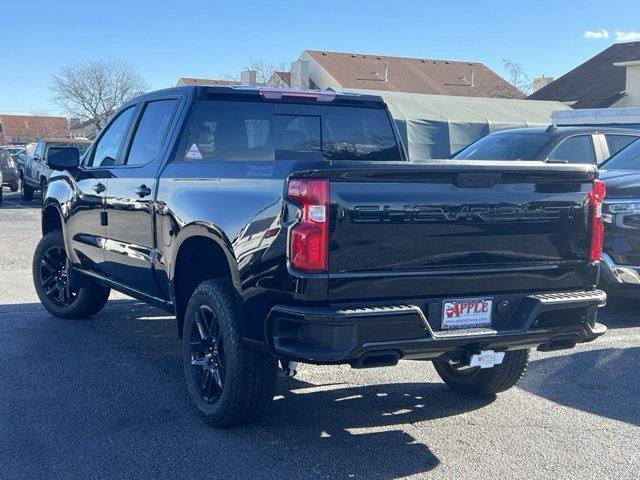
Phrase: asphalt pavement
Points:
(105, 398)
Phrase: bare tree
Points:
(92, 90)
(264, 70)
(517, 77)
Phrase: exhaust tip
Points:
(377, 359)
(559, 344)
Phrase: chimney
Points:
(300, 74)
(248, 77)
(540, 82)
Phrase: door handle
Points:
(143, 191)
(99, 187)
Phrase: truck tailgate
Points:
(458, 228)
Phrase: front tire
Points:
(478, 381)
(51, 280)
(229, 383)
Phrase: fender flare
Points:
(212, 232)
(50, 206)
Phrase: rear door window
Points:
(618, 142)
(151, 131)
(578, 149)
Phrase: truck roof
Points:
(271, 93)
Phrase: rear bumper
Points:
(547, 321)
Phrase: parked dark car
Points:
(9, 169)
(34, 168)
(554, 144)
(621, 216)
(289, 226)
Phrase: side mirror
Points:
(63, 158)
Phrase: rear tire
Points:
(26, 192)
(484, 381)
(51, 280)
(14, 186)
(229, 383)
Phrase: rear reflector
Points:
(309, 238)
(596, 197)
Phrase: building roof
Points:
(205, 81)
(76, 124)
(597, 83)
(33, 126)
(414, 75)
(284, 77)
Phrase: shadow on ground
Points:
(107, 395)
(593, 381)
(620, 313)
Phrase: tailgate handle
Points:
(477, 180)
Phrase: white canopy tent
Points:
(435, 126)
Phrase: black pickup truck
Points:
(288, 226)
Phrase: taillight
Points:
(309, 238)
(596, 197)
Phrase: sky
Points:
(167, 40)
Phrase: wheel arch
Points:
(202, 252)
(51, 219)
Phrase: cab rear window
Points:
(245, 130)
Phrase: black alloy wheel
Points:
(207, 354)
(54, 277)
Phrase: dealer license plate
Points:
(466, 313)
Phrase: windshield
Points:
(507, 146)
(626, 159)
